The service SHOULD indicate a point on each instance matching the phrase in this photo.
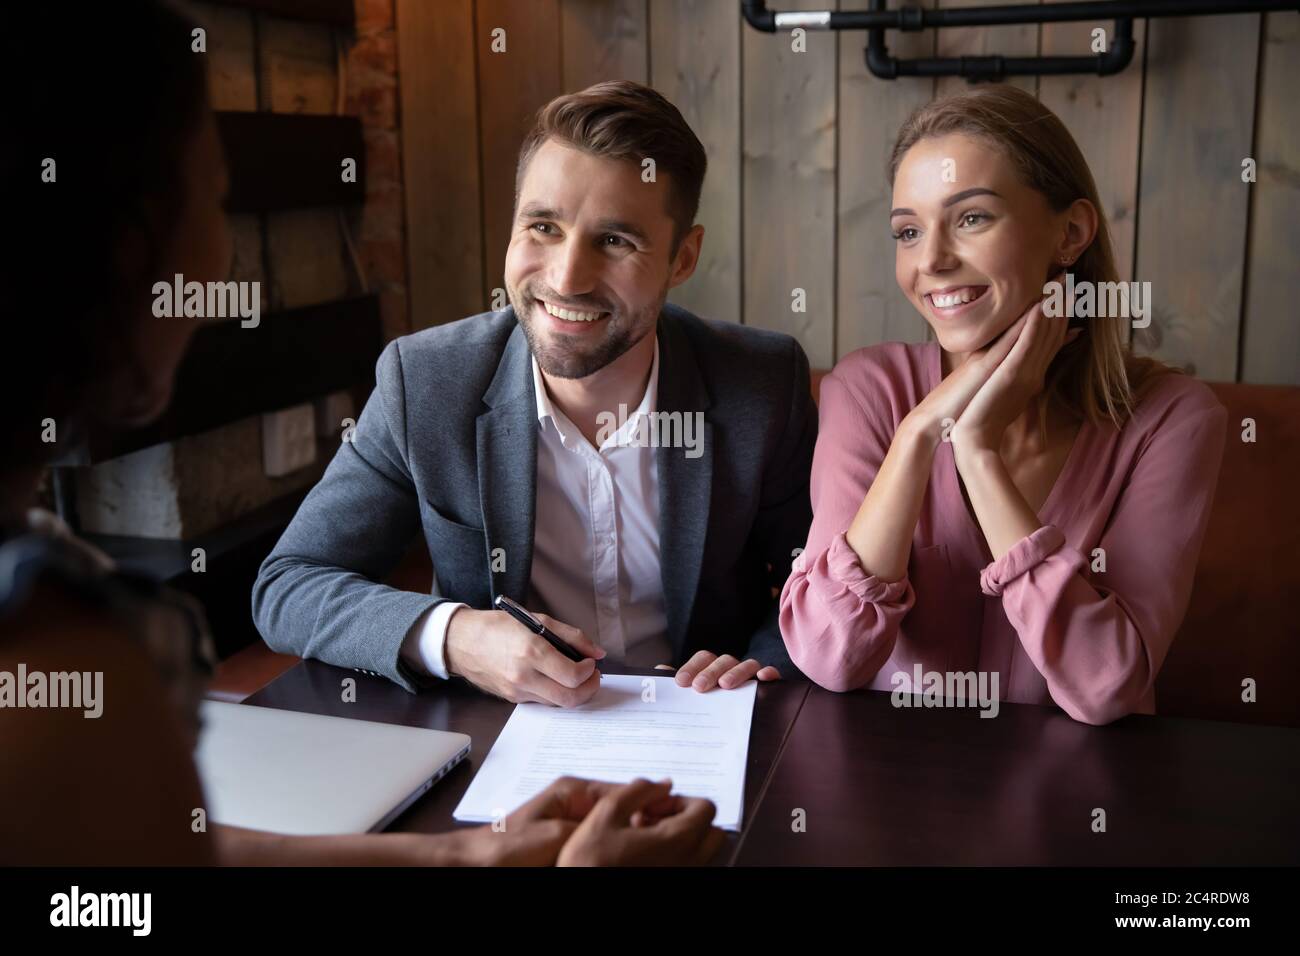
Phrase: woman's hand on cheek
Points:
(942, 407)
(1012, 384)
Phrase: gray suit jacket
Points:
(447, 447)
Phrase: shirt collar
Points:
(545, 409)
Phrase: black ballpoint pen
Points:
(503, 603)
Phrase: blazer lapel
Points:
(685, 484)
(507, 469)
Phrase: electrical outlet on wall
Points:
(288, 440)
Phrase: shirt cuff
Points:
(1025, 554)
(425, 646)
(843, 565)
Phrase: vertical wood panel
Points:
(1013, 40)
(695, 63)
(299, 71)
(1104, 114)
(870, 308)
(1271, 318)
(232, 84)
(789, 184)
(1197, 124)
(440, 160)
(306, 258)
(232, 80)
(602, 40)
(512, 86)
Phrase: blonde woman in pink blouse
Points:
(1014, 497)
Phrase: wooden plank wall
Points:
(1192, 204)
(796, 197)
(440, 163)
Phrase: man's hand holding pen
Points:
(502, 656)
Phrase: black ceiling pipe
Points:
(994, 68)
(879, 18)
(758, 15)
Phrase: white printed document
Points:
(634, 727)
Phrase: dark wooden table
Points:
(879, 785)
(903, 786)
(316, 688)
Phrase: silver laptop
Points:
(290, 772)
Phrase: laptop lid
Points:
(296, 773)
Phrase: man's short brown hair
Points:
(623, 120)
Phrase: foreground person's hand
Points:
(533, 834)
(643, 824)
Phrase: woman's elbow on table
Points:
(1099, 706)
(838, 654)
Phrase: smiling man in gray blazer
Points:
(634, 475)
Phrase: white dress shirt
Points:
(595, 543)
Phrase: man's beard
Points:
(563, 357)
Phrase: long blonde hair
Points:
(1096, 377)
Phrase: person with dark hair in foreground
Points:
(138, 197)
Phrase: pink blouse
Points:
(1052, 628)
